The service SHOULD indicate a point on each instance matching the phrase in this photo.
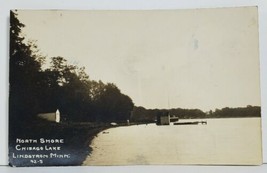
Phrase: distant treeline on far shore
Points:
(142, 114)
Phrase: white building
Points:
(53, 116)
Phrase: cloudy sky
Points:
(202, 58)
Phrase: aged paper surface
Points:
(135, 87)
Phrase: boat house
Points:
(163, 118)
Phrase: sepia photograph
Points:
(134, 87)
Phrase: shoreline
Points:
(77, 141)
(77, 137)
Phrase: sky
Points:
(198, 58)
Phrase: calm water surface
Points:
(221, 141)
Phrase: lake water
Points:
(222, 141)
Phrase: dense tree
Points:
(61, 86)
(112, 105)
(249, 111)
(25, 68)
(141, 114)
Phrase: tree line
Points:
(35, 89)
(141, 114)
(249, 111)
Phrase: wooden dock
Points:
(191, 123)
